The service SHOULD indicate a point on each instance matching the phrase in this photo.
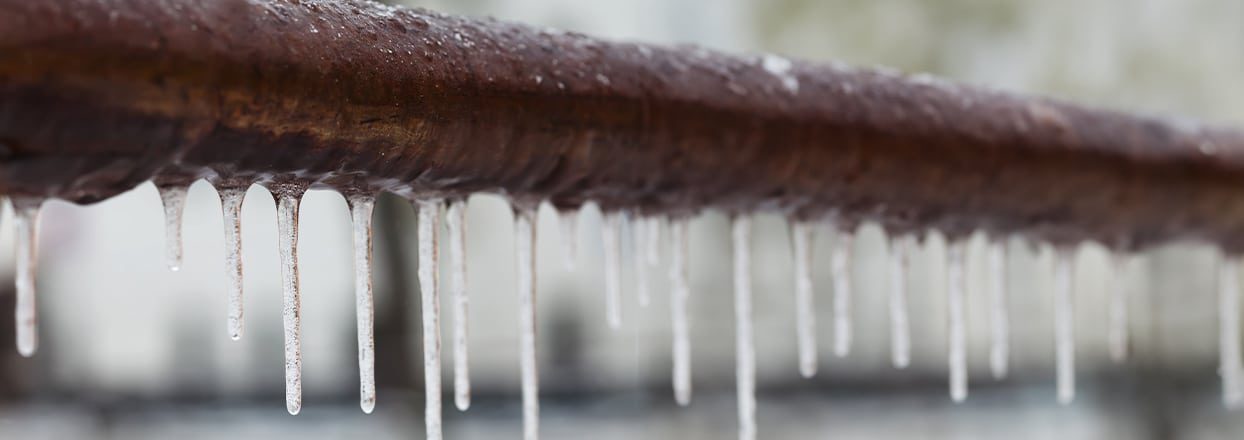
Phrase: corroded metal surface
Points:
(97, 96)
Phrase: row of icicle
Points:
(646, 236)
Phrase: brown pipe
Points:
(97, 96)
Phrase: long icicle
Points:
(900, 329)
(1000, 331)
(840, 266)
(173, 197)
(610, 234)
(361, 207)
(639, 238)
(1118, 333)
(27, 237)
(569, 220)
(654, 239)
(805, 309)
(231, 209)
(745, 350)
(680, 293)
(429, 219)
(455, 220)
(524, 245)
(1064, 325)
(956, 289)
(1229, 362)
(291, 303)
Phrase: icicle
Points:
(1229, 363)
(840, 266)
(642, 231)
(805, 310)
(999, 348)
(174, 200)
(956, 289)
(1064, 325)
(1118, 308)
(231, 207)
(610, 234)
(429, 218)
(654, 240)
(27, 237)
(361, 207)
(455, 220)
(569, 237)
(745, 351)
(524, 244)
(291, 306)
(679, 294)
(900, 332)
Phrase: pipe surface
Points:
(97, 96)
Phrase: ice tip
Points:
(462, 404)
(26, 349)
(293, 407)
(368, 405)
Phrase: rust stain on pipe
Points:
(97, 96)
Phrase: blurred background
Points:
(131, 350)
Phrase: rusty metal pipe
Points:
(97, 96)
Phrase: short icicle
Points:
(231, 208)
(956, 290)
(361, 207)
(641, 232)
(900, 329)
(173, 197)
(680, 293)
(288, 200)
(429, 223)
(455, 222)
(569, 219)
(840, 267)
(1064, 325)
(805, 310)
(1229, 362)
(27, 237)
(610, 241)
(1118, 330)
(654, 239)
(745, 350)
(525, 259)
(999, 325)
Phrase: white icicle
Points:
(429, 219)
(840, 267)
(231, 208)
(642, 228)
(361, 208)
(1229, 363)
(805, 310)
(900, 331)
(680, 292)
(610, 234)
(999, 343)
(173, 198)
(291, 304)
(956, 289)
(569, 237)
(524, 244)
(1064, 325)
(455, 220)
(745, 351)
(654, 240)
(1118, 333)
(27, 241)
